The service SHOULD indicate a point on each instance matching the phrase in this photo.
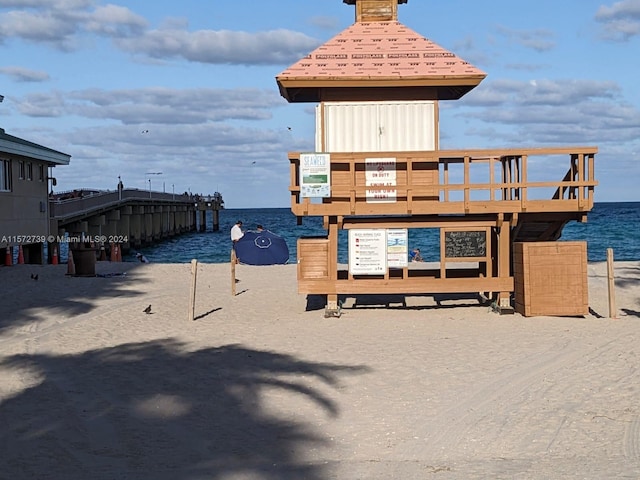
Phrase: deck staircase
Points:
(539, 229)
(545, 227)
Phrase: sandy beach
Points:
(262, 386)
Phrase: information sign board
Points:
(315, 175)
(397, 248)
(380, 175)
(367, 251)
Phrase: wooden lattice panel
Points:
(313, 259)
(550, 278)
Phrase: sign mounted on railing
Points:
(367, 251)
(380, 175)
(465, 244)
(397, 248)
(315, 175)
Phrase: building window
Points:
(21, 170)
(29, 171)
(5, 175)
(41, 175)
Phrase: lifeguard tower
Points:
(378, 171)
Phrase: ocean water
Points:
(610, 225)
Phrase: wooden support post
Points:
(523, 182)
(353, 194)
(574, 172)
(467, 182)
(492, 192)
(611, 283)
(443, 261)
(233, 272)
(504, 267)
(581, 178)
(445, 179)
(591, 167)
(332, 308)
(506, 191)
(192, 295)
(516, 177)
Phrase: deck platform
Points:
(483, 194)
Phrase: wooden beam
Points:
(411, 285)
(504, 265)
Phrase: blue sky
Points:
(188, 88)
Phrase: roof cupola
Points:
(375, 10)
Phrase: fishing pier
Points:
(127, 218)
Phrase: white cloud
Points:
(38, 28)
(21, 74)
(155, 105)
(224, 46)
(541, 92)
(47, 4)
(542, 111)
(115, 21)
(324, 22)
(621, 21)
(540, 40)
(62, 23)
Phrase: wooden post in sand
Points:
(233, 272)
(192, 297)
(612, 285)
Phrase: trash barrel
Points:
(84, 259)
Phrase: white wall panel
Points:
(371, 127)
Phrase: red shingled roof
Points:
(383, 61)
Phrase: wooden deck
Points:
(492, 193)
(442, 182)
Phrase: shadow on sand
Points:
(71, 296)
(399, 301)
(160, 411)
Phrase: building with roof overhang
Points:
(24, 190)
(377, 59)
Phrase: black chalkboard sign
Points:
(465, 244)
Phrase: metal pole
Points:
(152, 173)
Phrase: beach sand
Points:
(262, 386)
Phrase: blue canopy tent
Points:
(262, 248)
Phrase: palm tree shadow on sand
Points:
(160, 411)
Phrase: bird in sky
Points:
(147, 310)
(145, 131)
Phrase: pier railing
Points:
(96, 201)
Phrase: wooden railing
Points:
(445, 182)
